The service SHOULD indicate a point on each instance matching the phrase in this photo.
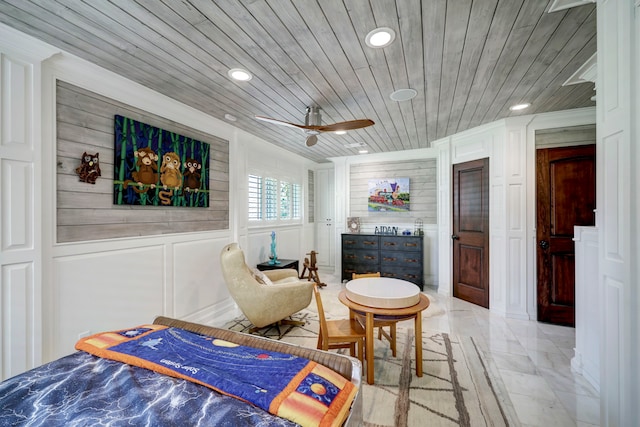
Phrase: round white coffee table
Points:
(383, 292)
(401, 313)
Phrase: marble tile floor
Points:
(533, 359)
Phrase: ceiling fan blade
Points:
(280, 122)
(348, 125)
(311, 140)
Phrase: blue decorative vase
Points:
(274, 256)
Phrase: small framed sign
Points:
(353, 224)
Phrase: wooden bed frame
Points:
(347, 366)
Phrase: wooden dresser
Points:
(399, 257)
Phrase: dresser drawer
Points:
(401, 259)
(397, 243)
(359, 242)
(360, 256)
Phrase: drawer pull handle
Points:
(350, 256)
(389, 244)
(389, 259)
(367, 242)
(349, 242)
(411, 245)
(410, 260)
(369, 257)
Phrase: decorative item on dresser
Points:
(399, 257)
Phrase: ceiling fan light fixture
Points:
(340, 132)
(519, 107)
(380, 37)
(311, 140)
(363, 151)
(403, 95)
(240, 74)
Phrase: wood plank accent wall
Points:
(86, 212)
(422, 185)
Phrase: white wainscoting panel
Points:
(17, 204)
(198, 284)
(16, 321)
(472, 148)
(104, 291)
(611, 351)
(588, 321)
(497, 274)
(288, 241)
(430, 263)
(614, 201)
(16, 102)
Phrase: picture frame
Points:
(388, 195)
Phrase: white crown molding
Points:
(588, 72)
(24, 45)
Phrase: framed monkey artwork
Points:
(155, 167)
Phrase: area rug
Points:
(456, 389)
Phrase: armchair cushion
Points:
(261, 277)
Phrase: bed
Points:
(88, 389)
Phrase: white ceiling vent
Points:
(566, 4)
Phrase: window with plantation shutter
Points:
(296, 201)
(285, 200)
(271, 198)
(255, 197)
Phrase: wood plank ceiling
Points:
(469, 60)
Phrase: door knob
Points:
(543, 244)
(455, 237)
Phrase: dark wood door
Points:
(471, 232)
(565, 196)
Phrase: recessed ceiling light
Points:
(363, 151)
(230, 117)
(380, 37)
(340, 132)
(519, 107)
(240, 74)
(403, 94)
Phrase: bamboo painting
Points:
(155, 167)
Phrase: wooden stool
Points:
(310, 264)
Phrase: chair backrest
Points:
(363, 275)
(323, 320)
(240, 281)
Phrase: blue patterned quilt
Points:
(85, 390)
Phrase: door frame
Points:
(510, 146)
(546, 121)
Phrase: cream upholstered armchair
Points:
(264, 297)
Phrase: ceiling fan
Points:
(312, 125)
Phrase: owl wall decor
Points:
(89, 169)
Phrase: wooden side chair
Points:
(380, 322)
(310, 265)
(339, 333)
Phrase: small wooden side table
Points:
(284, 263)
